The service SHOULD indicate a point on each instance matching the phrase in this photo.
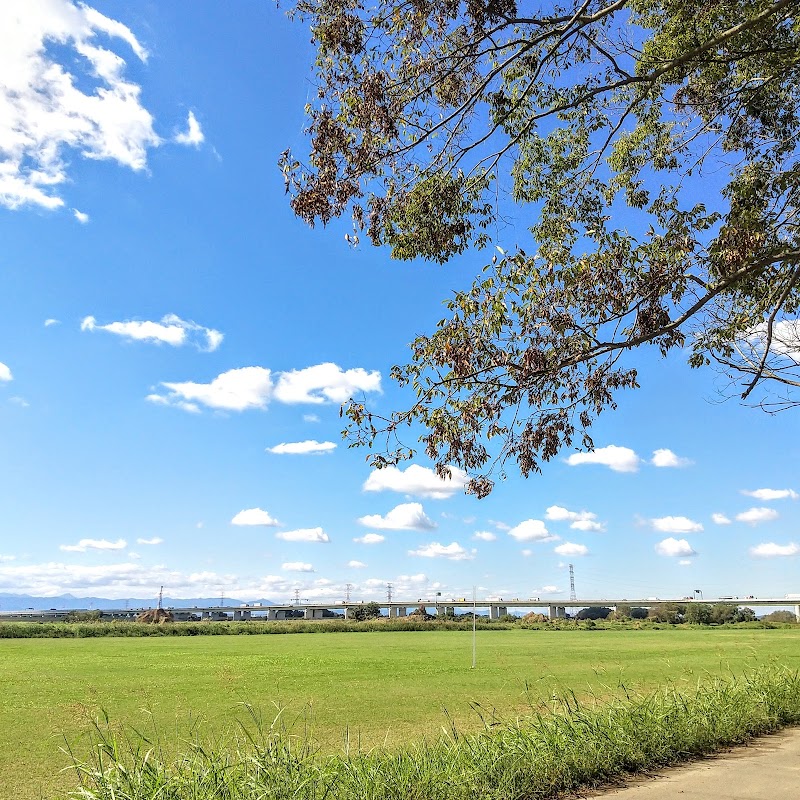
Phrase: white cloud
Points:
(453, 551)
(234, 390)
(303, 535)
(19, 401)
(720, 519)
(754, 516)
(501, 526)
(772, 550)
(5, 559)
(310, 418)
(571, 549)
(685, 562)
(676, 525)
(484, 536)
(131, 554)
(619, 459)
(325, 383)
(45, 118)
(5, 373)
(49, 322)
(416, 480)
(405, 517)
(308, 447)
(579, 520)
(154, 540)
(93, 544)
(82, 217)
(254, 516)
(772, 494)
(531, 530)
(356, 564)
(193, 135)
(549, 589)
(170, 330)
(296, 566)
(370, 538)
(527, 553)
(674, 548)
(666, 458)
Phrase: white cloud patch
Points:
(484, 536)
(755, 516)
(532, 530)
(81, 216)
(170, 330)
(579, 520)
(93, 544)
(255, 516)
(296, 566)
(453, 551)
(155, 540)
(308, 447)
(685, 562)
(6, 559)
(235, 390)
(772, 494)
(619, 459)
(666, 458)
(310, 418)
(356, 565)
(370, 538)
(772, 550)
(193, 135)
(325, 383)
(252, 387)
(5, 374)
(674, 548)
(720, 519)
(571, 549)
(303, 535)
(45, 118)
(50, 322)
(405, 517)
(676, 525)
(416, 480)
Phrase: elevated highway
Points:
(495, 606)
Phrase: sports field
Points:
(384, 687)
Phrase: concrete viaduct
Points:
(497, 607)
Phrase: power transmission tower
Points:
(389, 592)
(572, 595)
(347, 589)
(161, 597)
(297, 597)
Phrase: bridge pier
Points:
(495, 612)
(557, 612)
(797, 613)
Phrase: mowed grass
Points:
(382, 688)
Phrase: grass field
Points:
(384, 687)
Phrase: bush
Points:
(594, 612)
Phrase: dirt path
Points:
(767, 769)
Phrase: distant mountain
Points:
(21, 602)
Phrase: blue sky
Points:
(175, 346)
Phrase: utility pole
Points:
(348, 587)
(389, 592)
(572, 595)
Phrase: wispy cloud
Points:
(666, 458)
(772, 550)
(255, 516)
(356, 564)
(619, 459)
(193, 135)
(93, 544)
(308, 447)
(755, 516)
(50, 322)
(46, 117)
(370, 538)
(155, 540)
(772, 494)
(325, 383)
(418, 481)
(297, 566)
(405, 517)
(170, 330)
(453, 551)
(303, 535)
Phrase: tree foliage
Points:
(650, 145)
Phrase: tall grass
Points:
(561, 746)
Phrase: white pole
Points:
(474, 640)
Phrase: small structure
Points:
(155, 616)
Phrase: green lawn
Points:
(386, 687)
